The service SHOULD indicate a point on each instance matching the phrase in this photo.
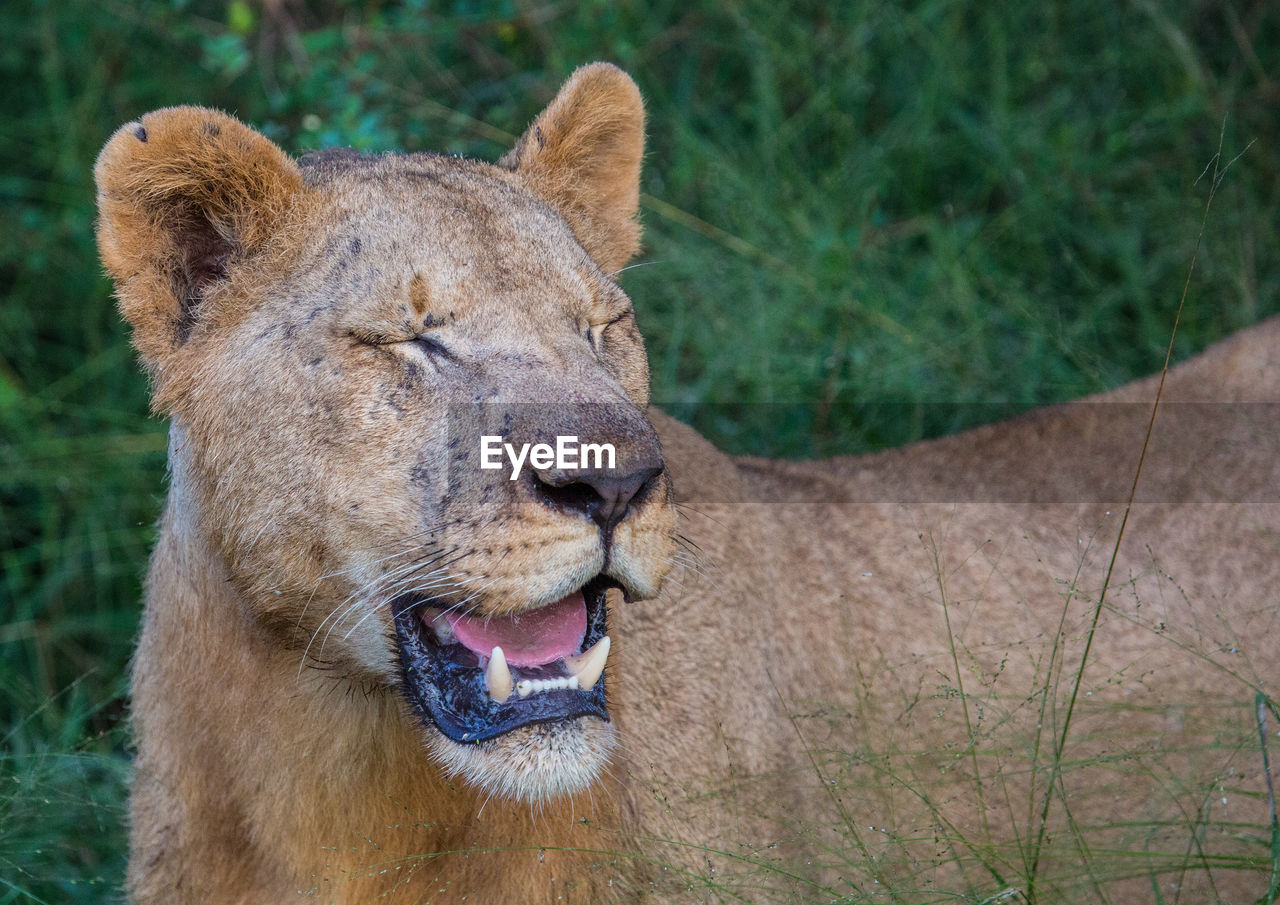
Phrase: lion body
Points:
(864, 679)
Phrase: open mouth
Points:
(477, 677)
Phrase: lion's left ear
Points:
(582, 155)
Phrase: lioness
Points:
(371, 670)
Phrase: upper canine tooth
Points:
(497, 677)
(587, 666)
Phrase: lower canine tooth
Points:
(497, 677)
(587, 666)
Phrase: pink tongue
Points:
(527, 639)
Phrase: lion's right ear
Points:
(183, 195)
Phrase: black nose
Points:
(603, 495)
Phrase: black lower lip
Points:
(452, 694)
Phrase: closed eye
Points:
(424, 342)
(595, 332)
(432, 346)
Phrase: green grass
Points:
(987, 204)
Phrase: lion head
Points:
(335, 337)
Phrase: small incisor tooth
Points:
(588, 665)
(497, 677)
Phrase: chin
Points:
(535, 763)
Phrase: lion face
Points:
(343, 344)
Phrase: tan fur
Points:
(583, 155)
(799, 715)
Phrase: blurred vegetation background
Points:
(905, 201)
